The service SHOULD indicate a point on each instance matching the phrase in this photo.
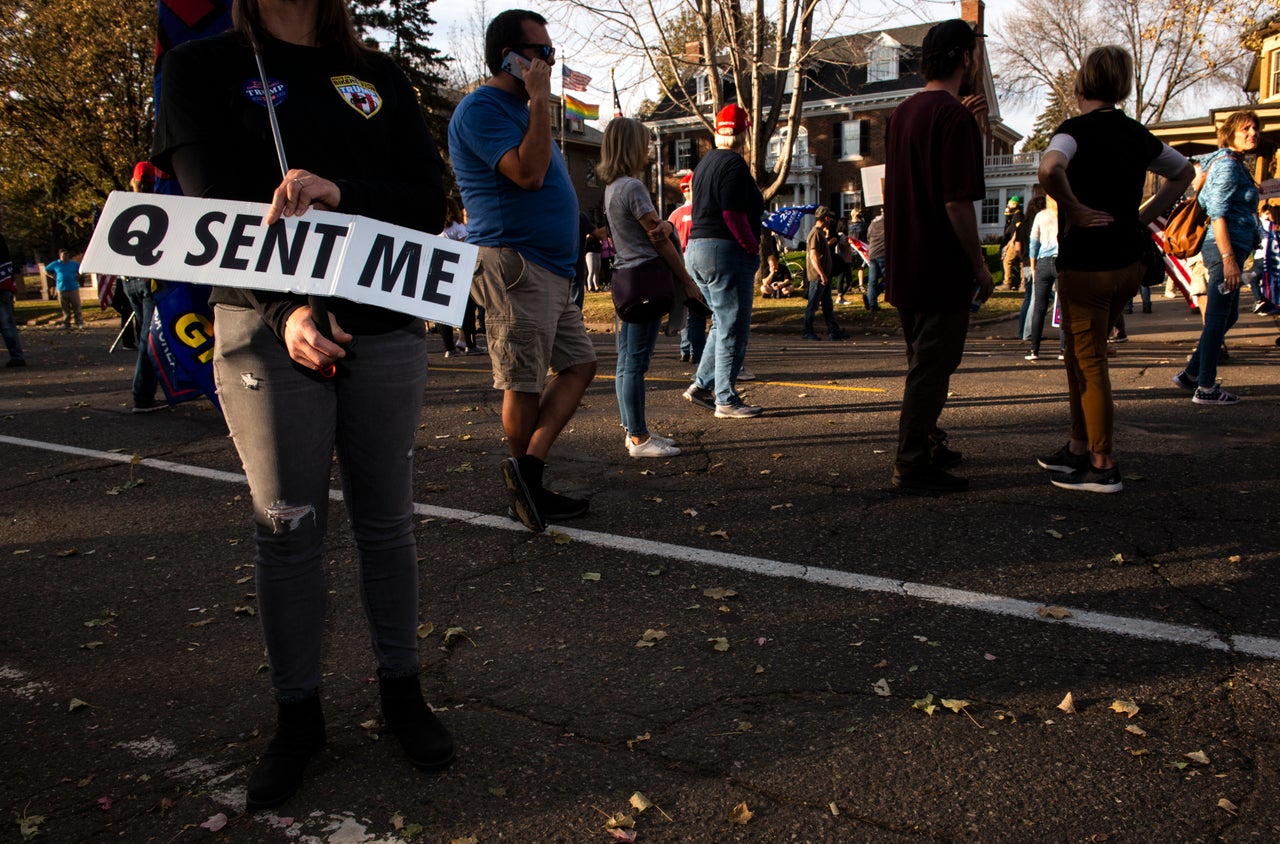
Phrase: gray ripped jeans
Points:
(287, 423)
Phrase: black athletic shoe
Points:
(555, 507)
(928, 479)
(942, 457)
(523, 491)
(1090, 480)
(1064, 460)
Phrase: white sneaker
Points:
(745, 374)
(626, 439)
(651, 448)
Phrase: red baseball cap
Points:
(144, 171)
(732, 120)
(686, 182)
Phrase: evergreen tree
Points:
(403, 27)
(1060, 105)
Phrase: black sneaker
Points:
(941, 457)
(1185, 381)
(1064, 460)
(1216, 396)
(523, 491)
(555, 507)
(928, 479)
(1090, 479)
(686, 357)
(149, 406)
(701, 397)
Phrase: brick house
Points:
(852, 85)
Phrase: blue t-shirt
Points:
(542, 225)
(67, 274)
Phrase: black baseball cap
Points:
(950, 38)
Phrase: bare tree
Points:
(466, 47)
(734, 44)
(1180, 47)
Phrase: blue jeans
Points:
(875, 283)
(820, 294)
(726, 276)
(635, 347)
(144, 305)
(1023, 327)
(1041, 299)
(8, 327)
(1220, 313)
(286, 423)
(693, 337)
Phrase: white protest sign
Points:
(223, 242)
(872, 185)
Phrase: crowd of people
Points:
(301, 379)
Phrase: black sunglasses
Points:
(545, 51)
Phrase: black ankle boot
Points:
(424, 738)
(299, 734)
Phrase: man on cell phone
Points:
(523, 214)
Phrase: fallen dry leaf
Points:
(426, 629)
(560, 538)
(631, 743)
(1198, 756)
(1234, 558)
(720, 643)
(621, 834)
(1068, 703)
(215, 823)
(926, 705)
(722, 533)
(740, 814)
(1227, 805)
(1135, 729)
(881, 687)
(76, 703)
(591, 575)
(1128, 707)
(620, 820)
(1053, 612)
(104, 803)
(639, 802)
(719, 594)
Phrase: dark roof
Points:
(839, 69)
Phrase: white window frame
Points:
(684, 154)
(1275, 74)
(851, 138)
(991, 207)
(849, 200)
(882, 60)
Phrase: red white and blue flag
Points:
(572, 80)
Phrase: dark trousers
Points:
(820, 297)
(935, 344)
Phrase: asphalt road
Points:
(842, 606)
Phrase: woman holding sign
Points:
(353, 131)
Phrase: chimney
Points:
(975, 12)
(693, 52)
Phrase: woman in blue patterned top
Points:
(1230, 198)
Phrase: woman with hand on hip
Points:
(357, 142)
(1095, 167)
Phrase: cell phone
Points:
(516, 65)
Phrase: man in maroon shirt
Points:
(936, 266)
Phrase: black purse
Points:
(644, 292)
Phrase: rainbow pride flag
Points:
(579, 110)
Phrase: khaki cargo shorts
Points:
(531, 324)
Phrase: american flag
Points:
(572, 80)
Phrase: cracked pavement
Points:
(137, 604)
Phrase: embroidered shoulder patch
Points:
(253, 90)
(361, 96)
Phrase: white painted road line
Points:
(1105, 623)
